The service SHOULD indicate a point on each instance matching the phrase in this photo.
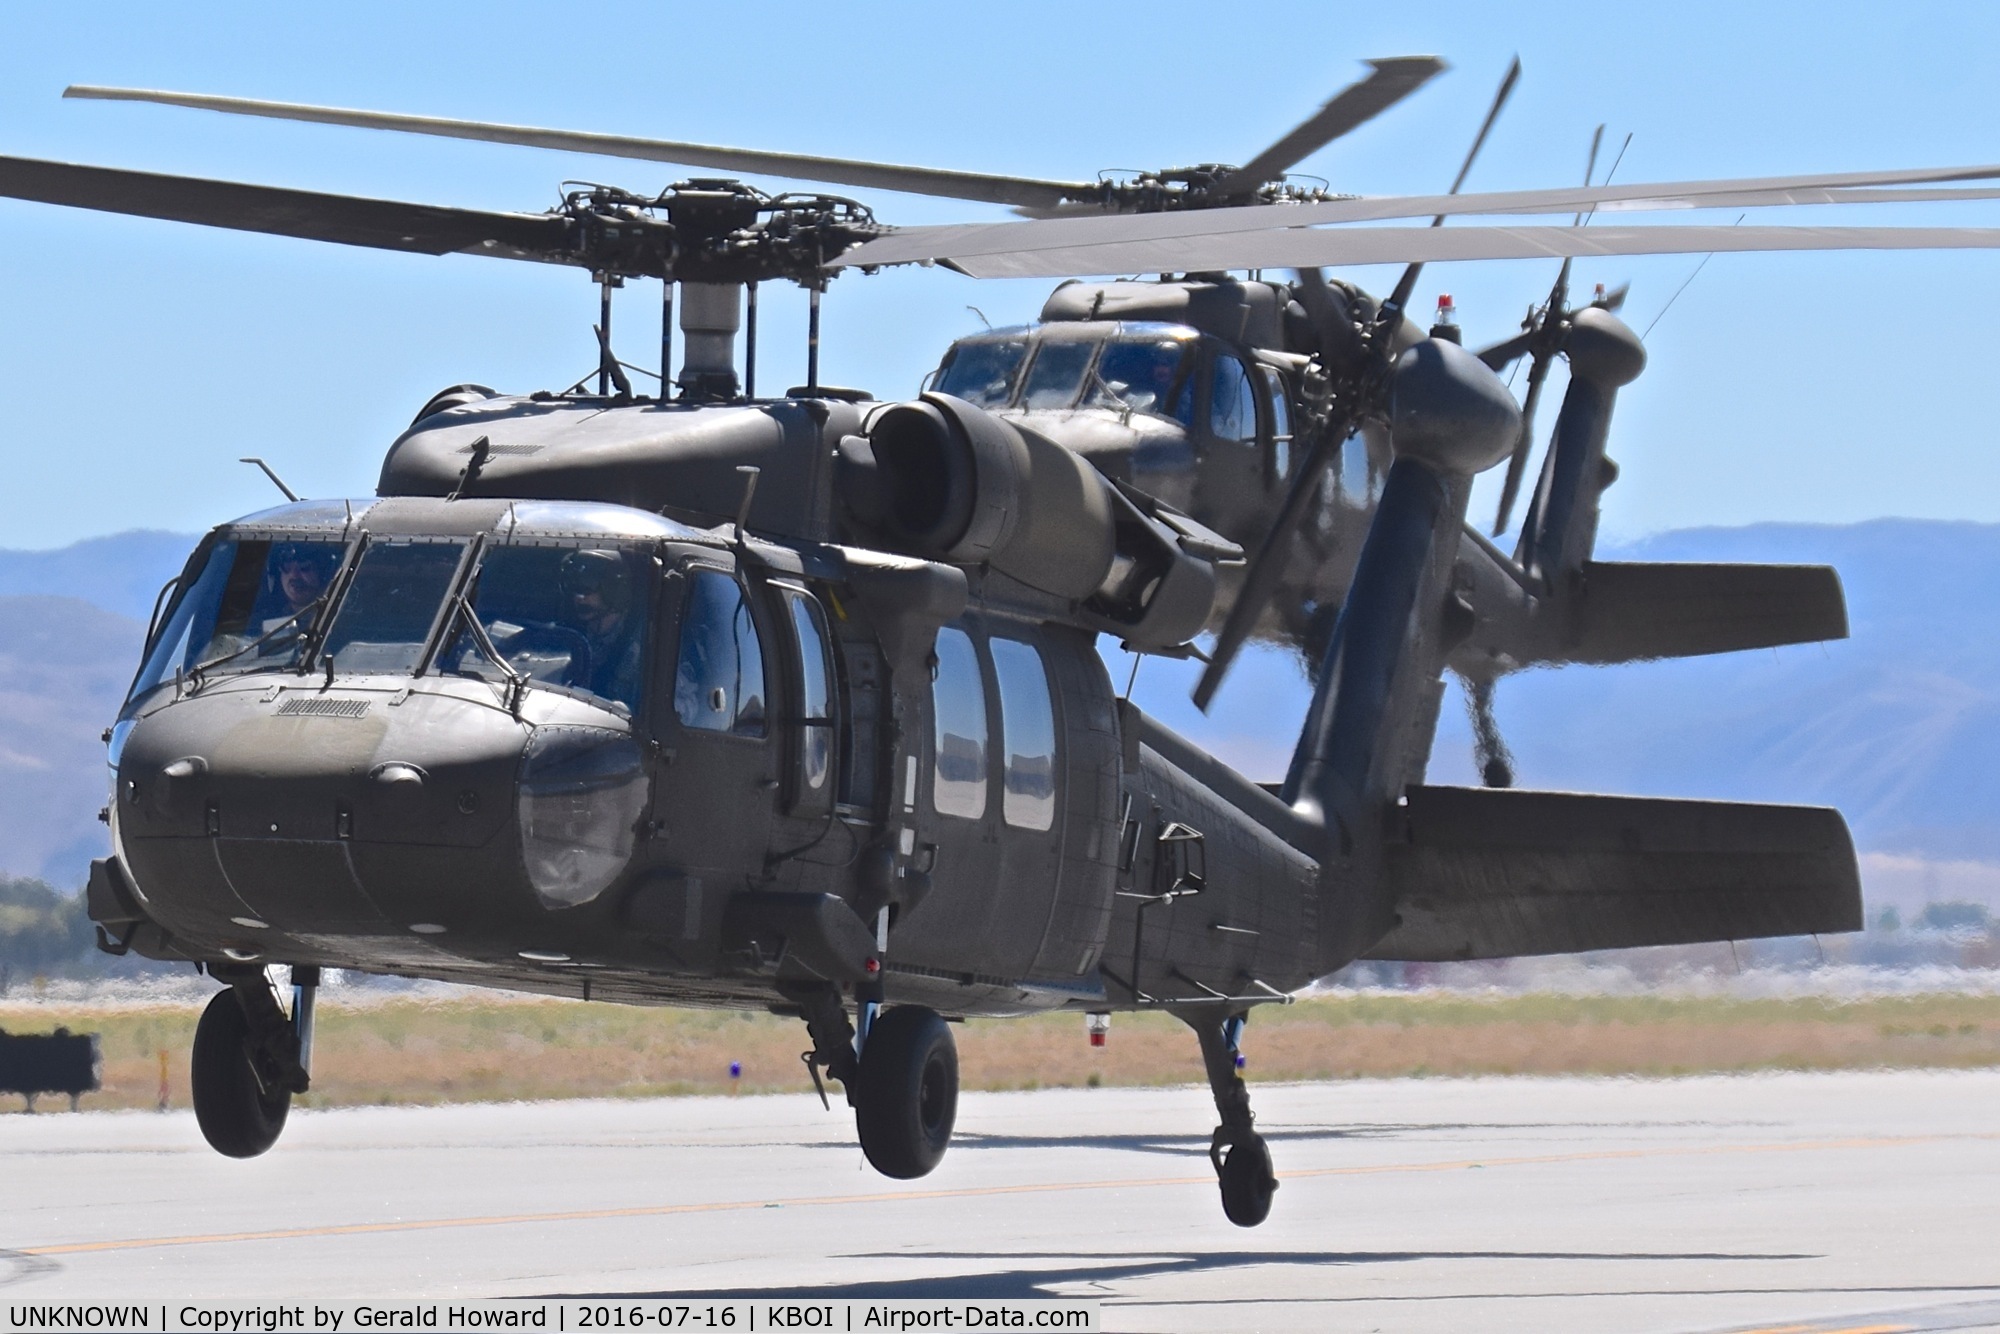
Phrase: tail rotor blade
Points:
(1390, 81)
(1590, 166)
(1267, 567)
(1517, 465)
(1508, 350)
(1544, 340)
(1404, 288)
(1500, 96)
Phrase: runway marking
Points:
(1821, 1329)
(979, 1192)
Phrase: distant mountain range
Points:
(122, 573)
(1899, 725)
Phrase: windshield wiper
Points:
(315, 637)
(196, 672)
(517, 681)
(457, 609)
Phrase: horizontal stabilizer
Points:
(1629, 612)
(1488, 873)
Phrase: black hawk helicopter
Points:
(795, 703)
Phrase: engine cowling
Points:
(942, 479)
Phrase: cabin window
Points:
(1232, 405)
(1027, 735)
(391, 603)
(1144, 374)
(1055, 379)
(558, 616)
(958, 701)
(719, 683)
(983, 371)
(812, 699)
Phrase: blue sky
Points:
(138, 360)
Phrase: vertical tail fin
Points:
(1561, 526)
(1339, 757)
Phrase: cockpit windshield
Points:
(569, 615)
(983, 371)
(1141, 368)
(1055, 377)
(574, 617)
(249, 609)
(1145, 374)
(393, 600)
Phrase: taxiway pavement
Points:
(1812, 1203)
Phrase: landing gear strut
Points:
(1241, 1158)
(250, 1057)
(903, 1085)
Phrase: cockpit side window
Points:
(560, 616)
(190, 621)
(1055, 378)
(1354, 479)
(1232, 404)
(1279, 407)
(719, 682)
(983, 371)
(812, 701)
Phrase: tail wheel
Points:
(908, 1092)
(237, 1117)
(1248, 1182)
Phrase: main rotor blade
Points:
(1299, 247)
(1853, 188)
(381, 224)
(1392, 80)
(978, 186)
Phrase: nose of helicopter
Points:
(251, 813)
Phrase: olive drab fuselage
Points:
(825, 762)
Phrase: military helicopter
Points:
(795, 703)
(1189, 386)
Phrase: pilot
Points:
(597, 595)
(301, 573)
(1154, 385)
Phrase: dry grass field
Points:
(502, 1049)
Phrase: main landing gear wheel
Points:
(237, 1116)
(1247, 1182)
(1241, 1159)
(906, 1097)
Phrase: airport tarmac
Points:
(1802, 1202)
